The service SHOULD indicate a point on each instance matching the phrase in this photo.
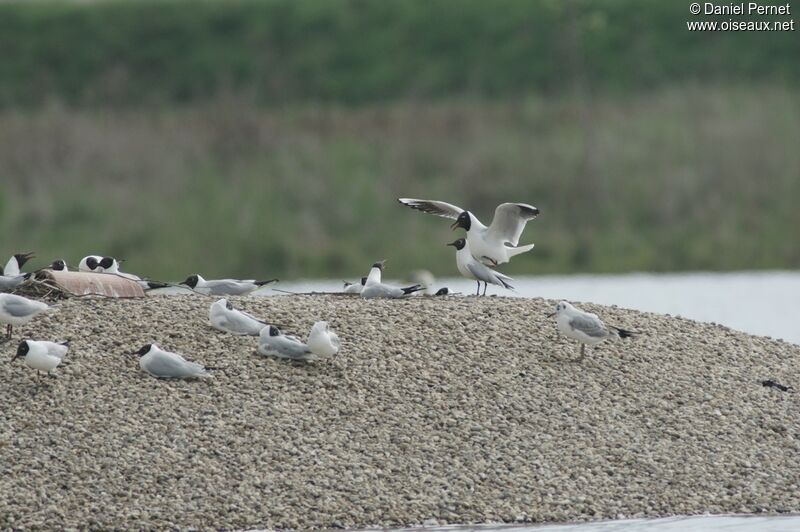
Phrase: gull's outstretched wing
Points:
(509, 221)
(437, 208)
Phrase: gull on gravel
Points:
(472, 268)
(110, 265)
(167, 365)
(18, 310)
(41, 355)
(9, 282)
(585, 327)
(224, 317)
(14, 265)
(224, 287)
(322, 343)
(374, 288)
(354, 288)
(492, 245)
(272, 342)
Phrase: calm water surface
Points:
(705, 523)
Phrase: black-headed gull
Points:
(492, 245)
(354, 288)
(374, 288)
(224, 317)
(41, 355)
(14, 265)
(322, 343)
(90, 263)
(167, 365)
(224, 287)
(472, 268)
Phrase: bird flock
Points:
(478, 254)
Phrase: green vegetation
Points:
(356, 51)
(273, 137)
(687, 177)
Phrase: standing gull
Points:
(18, 310)
(166, 365)
(473, 269)
(492, 245)
(224, 317)
(41, 355)
(584, 327)
(374, 288)
(224, 287)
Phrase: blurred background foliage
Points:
(273, 138)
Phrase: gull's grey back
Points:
(163, 365)
(20, 307)
(283, 347)
(381, 290)
(589, 325)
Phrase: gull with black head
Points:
(224, 317)
(59, 265)
(9, 283)
(322, 343)
(14, 265)
(41, 355)
(90, 263)
(374, 288)
(354, 288)
(224, 287)
(492, 245)
(167, 365)
(473, 269)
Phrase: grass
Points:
(687, 177)
(130, 53)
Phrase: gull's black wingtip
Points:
(412, 289)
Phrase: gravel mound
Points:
(456, 409)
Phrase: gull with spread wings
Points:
(492, 245)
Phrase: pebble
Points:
(445, 410)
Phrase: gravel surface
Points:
(457, 409)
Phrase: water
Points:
(763, 303)
(704, 523)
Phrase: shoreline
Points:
(458, 409)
